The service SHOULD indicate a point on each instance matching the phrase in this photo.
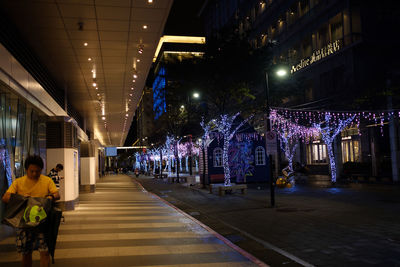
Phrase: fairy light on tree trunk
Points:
(328, 134)
(224, 126)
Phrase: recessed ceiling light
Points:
(127, 115)
(135, 76)
(130, 94)
(98, 94)
(103, 118)
(145, 27)
(134, 81)
(94, 84)
(150, 1)
(97, 88)
(129, 100)
(137, 60)
(85, 44)
(90, 59)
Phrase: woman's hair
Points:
(33, 160)
(60, 166)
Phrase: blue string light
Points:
(328, 134)
(224, 125)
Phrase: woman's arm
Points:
(6, 197)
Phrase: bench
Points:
(157, 175)
(222, 189)
(217, 178)
(182, 179)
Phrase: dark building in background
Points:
(182, 22)
(142, 124)
(334, 46)
(172, 50)
(338, 50)
(148, 124)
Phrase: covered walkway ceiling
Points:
(95, 49)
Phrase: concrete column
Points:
(394, 143)
(394, 148)
(69, 178)
(374, 153)
(95, 147)
(88, 174)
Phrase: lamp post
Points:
(279, 73)
(195, 95)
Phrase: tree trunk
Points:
(161, 163)
(332, 162)
(225, 162)
(177, 163)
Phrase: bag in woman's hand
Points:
(26, 212)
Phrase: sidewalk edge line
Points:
(219, 236)
(272, 247)
(268, 245)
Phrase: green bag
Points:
(26, 212)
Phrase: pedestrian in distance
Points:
(33, 184)
(53, 174)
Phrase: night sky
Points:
(183, 19)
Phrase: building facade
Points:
(342, 52)
(175, 56)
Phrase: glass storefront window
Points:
(317, 154)
(304, 6)
(322, 36)
(280, 25)
(292, 14)
(336, 25)
(314, 3)
(19, 131)
(306, 46)
(350, 150)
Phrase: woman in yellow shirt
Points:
(33, 184)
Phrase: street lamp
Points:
(195, 95)
(280, 73)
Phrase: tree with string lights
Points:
(328, 134)
(224, 126)
(137, 157)
(290, 134)
(168, 150)
(205, 141)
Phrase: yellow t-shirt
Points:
(34, 188)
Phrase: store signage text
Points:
(317, 55)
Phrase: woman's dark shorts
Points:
(30, 240)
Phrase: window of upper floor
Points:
(217, 153)
(259, 156)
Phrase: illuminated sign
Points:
(159, 105)
(111, 151)
(317, 55)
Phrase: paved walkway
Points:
(123, 225)
(330, 227)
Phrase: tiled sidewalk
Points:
(122, 225)
(329, 227)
